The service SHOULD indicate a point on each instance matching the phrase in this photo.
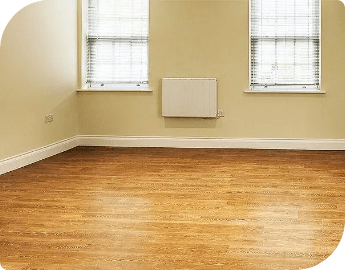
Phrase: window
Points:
(285, 45)
(117, 44)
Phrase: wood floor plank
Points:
(152, 208)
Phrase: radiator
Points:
(189, 97)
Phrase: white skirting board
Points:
(18, 161)
(21, 160)
(202, 142)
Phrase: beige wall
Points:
(210, 39)
(38, 76)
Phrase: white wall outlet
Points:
(220, 113)
(49, 118)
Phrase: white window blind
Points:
(285, 44)
(117, 43)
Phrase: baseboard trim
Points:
(200, 142)
(21, 160)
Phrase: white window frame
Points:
(82, 60)
(283, 89)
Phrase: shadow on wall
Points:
(189, 123)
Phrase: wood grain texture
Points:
(151, 208)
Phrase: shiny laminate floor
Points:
(151, 208)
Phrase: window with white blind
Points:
(117, 44)
(285, 45)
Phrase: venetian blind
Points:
(117, 43)
(285, 44)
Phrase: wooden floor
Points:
(125, 208)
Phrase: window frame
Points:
(83, 55)
(288, 88)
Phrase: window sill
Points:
(114, 90)
(283, 92)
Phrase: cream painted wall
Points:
(210, 39)
(38, 76)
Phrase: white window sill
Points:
(121, 87)
(284, 92)
(114, 90)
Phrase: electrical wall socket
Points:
(220, 113)
(49, 118)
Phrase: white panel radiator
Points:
(189, 97)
